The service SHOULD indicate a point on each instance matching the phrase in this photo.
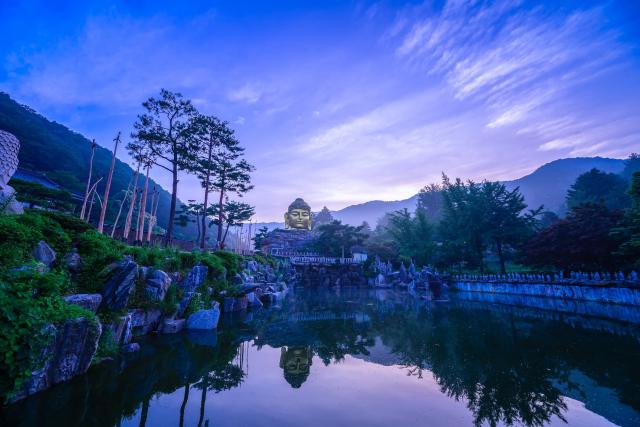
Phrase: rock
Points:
(120, 286)
(235, 304)
(253, 300)
(237, 280)
(130, 348)
(72, 261)
(184, 302)
(172, 326)
(44, 254)
(121, 330)
(157, 285)
(204, 319)
(69, 353)
(8, 203)
(38, 267)
(143, 272)
(195, 278)
(89, 301)
(144, 321)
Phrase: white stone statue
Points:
(9, 148)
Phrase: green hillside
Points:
(63, 154)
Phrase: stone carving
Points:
(9, 148)
(298, 216)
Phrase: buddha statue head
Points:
(298, 216)
(296, 364)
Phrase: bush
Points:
(17, 241)
(231, 261)
(97, 252)
(29, 302)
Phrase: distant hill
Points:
(548, 184)
(63, 155)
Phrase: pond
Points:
(354, 357)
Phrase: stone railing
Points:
(323, 260)
(597, 278)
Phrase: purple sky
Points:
(344, 102)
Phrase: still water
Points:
(364, 358)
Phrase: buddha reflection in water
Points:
(298, 216)
(296, 363)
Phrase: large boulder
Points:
(205, 319)
(68, 353)
(144, 321)
(172, 326)
(120, 286)
(235, 303)
(44, 254)
(157, 285)
(195, 278)
(89, 301)
(72, 261)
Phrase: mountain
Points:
(63, 155)
(548, 184)
(372, 211)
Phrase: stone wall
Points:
(339, 275)
(603, 294)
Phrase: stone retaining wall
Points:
(604, 294)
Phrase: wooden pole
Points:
(149, 225)
(107, 188)
(87, 191)
(124, 199)
(127, 224)
(143, 205)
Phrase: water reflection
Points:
(507, 366)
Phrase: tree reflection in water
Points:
(507, 366)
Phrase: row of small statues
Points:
(574, 276)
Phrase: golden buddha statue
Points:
(298, 216)
(296, 364)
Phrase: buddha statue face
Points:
(296, 363)
(298, 216)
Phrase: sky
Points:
(342, 102)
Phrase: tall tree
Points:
(596, 186)
(629, 231)
(582, 241)
(107, 187)
(212, 133)
(235, 213)
(336, 238)
(231, 175)
(259, 237)
(430, 201)
(169, 131)
(413, 235)
(323, 217)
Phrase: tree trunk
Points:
(206, 195)
(86, 192)
(203, 399)
(150, 222)
(143, 207)
(138, 219)
(154, 218)
(144, 412)
(220, 216)
(184, 404)
(93, 196)
(503, 269)
(124, 199)
(198, 226)
(107, 188)
(127, 224)
(224, 238)
(172, 209)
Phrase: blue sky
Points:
(344, 102)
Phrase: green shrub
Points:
(16, 241)
(231, 261)
(73, 225)
(97, 252)
(168, 305)
(50, 230)
(107, 346)
(28, 302)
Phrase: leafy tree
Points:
(259, 237)
(582, 241)
(235, 213)
(168, 129)
(431, 202)
(336, 238)
(631, 166)
(596, 186)
(413, 235)
(35, 194)
(213, 133)
(476, 215)
(191, 213)
(230, 174)
(323, 217)
(629, 231)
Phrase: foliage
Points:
(107, 346)
(259, 237)
(629, 230)
(29, 302)
(232, 262)
(430, 201)
(599, 187)
(323, 217)
(413, 235)
(631, 166)
(335, 238)
(581, 242)
(36, 194)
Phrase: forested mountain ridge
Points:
(52, 148)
